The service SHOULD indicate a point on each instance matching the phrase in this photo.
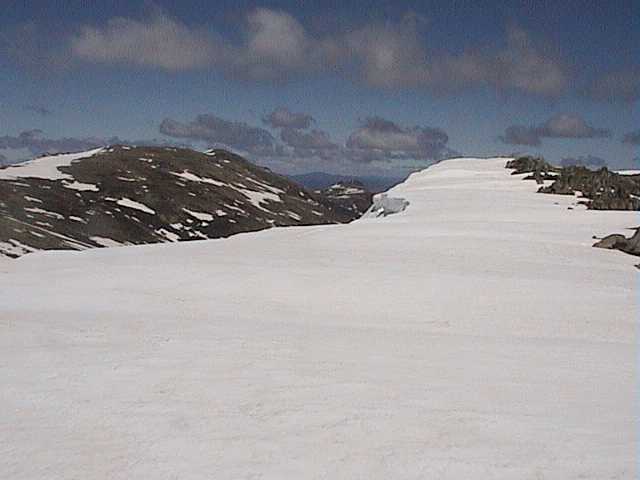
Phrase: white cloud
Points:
(378, 135)
(274, 45)
(282, 117)
(160, 41)
(564, 125)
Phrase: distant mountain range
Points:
(122, 195)
(321, 180)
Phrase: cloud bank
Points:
(217, 131)
(282, 117)
(565, 125)
(375, 140)
(274, 45)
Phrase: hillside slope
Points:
(475, 335)
(123, 195)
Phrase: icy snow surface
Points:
(475, 335)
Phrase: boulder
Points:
(620, 242)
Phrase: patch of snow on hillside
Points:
(195, 178)
(44, 212)
(127, 202)
(293, 215)
(264, 186)
(166, 234)
(45, 167)
(82, 187)
(105, 242)
(258, 198)
(14, 248)
(345, 191)
(206, 217)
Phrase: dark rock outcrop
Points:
(622, 243)
(528, 164)
(606, 190)
(600, 190)
(139, 195)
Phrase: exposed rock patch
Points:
(605, 189)
(622, 243)
(600, 190)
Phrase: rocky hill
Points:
(123, 195)
(350, 195)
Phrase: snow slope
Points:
(476, 335)
(45, 167)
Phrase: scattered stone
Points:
(604, 189)
(600, 190)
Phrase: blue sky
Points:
(390, 86)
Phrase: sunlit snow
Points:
(475, 335)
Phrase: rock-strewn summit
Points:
(601, 189)
(124, 195)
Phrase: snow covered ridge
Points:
(475, 335)
(123, 195)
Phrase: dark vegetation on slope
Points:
(141, 195)
(600, 189)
